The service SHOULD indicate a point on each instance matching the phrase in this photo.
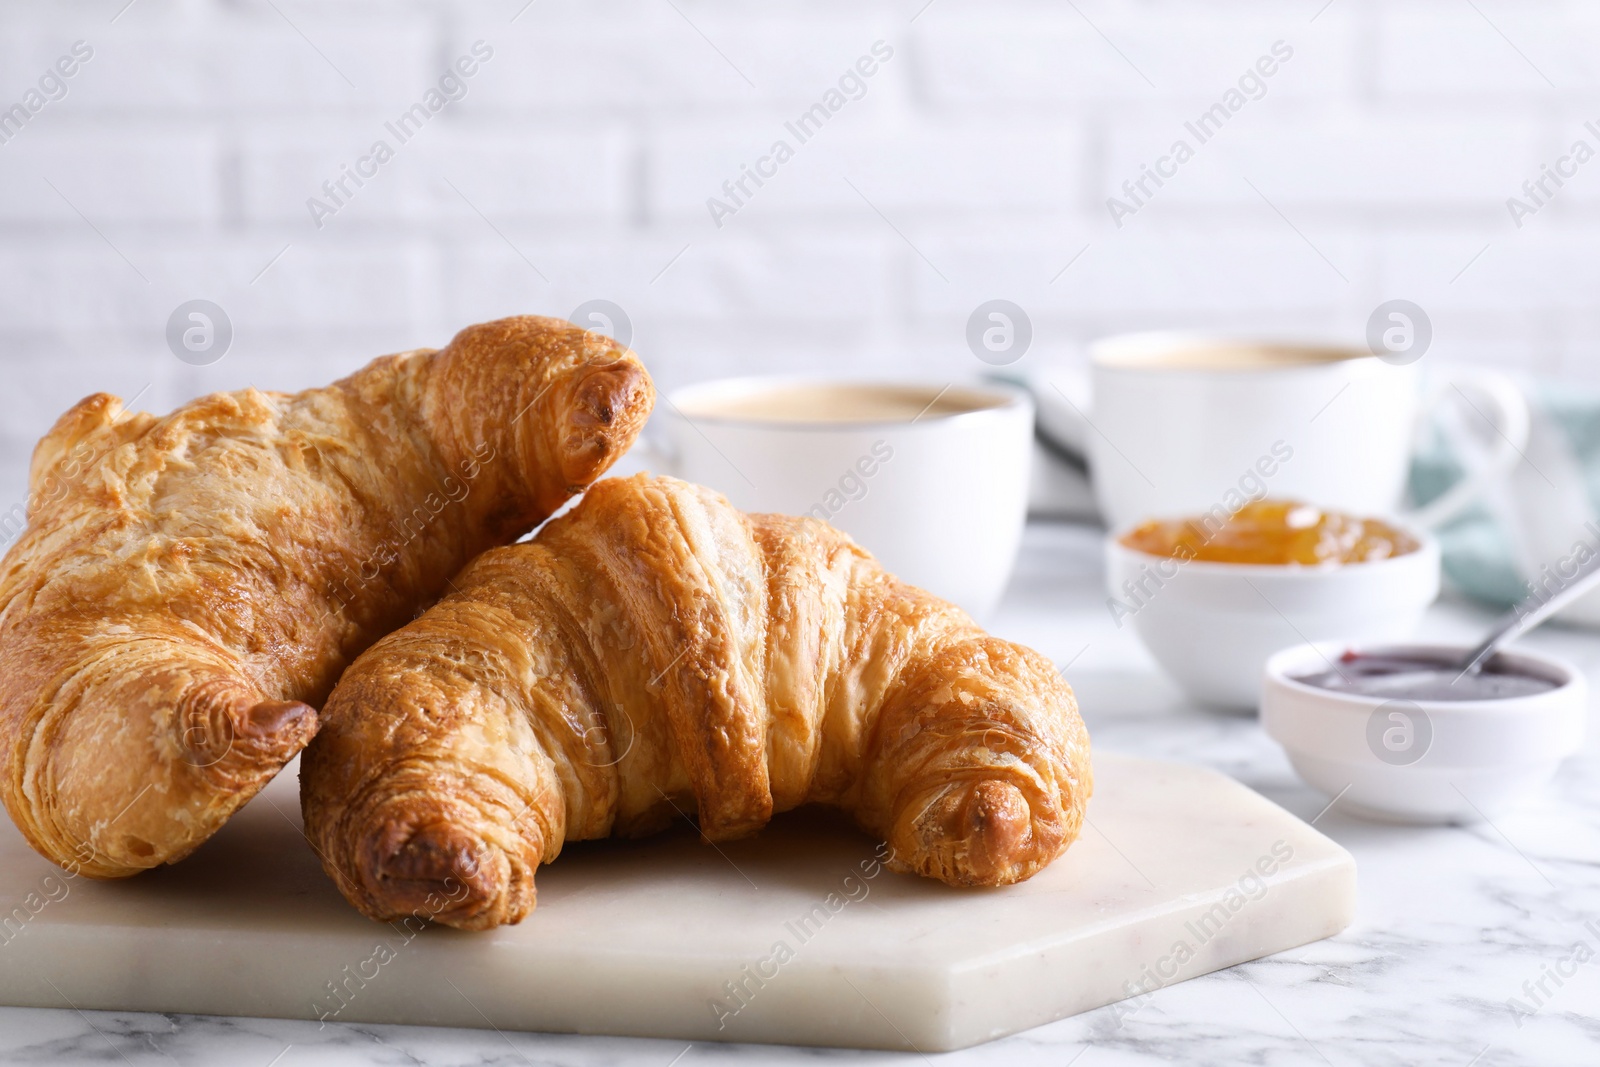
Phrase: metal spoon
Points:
(1533, 611)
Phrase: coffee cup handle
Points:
(1062, 425)
(1503, 406)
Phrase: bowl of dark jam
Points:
(1401, 733)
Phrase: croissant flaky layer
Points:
(656, 651)
(188, 587)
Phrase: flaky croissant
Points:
(657, 651)
(188, 587)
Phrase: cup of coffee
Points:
(930, 478)
(1177, 424)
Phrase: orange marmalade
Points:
(1272, 531)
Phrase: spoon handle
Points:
(1534, 610)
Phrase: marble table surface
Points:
(1471, 946)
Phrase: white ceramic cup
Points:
(1170, 432)
(939, 499)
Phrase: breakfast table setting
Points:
(1449, 922)
(773, 740)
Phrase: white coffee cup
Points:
(939, 496)
(1180, 423)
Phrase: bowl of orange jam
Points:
(1213, 596)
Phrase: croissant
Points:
(656, 652)
(188, 587)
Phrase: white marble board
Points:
(1181, 871)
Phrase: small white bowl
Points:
(1422, 761)
(1212, 626)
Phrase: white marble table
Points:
(1452, 923)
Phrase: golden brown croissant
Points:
(657, 651)
(188, 586)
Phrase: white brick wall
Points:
(185, 149)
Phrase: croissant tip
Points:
(977, 834)
(272, 718)
(429, 854)
(436, 871)
(999, 824)
(610, 402)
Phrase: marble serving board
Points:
(795, 936)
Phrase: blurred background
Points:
(202, 149)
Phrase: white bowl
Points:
(1212, 626)
(1444, 760)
